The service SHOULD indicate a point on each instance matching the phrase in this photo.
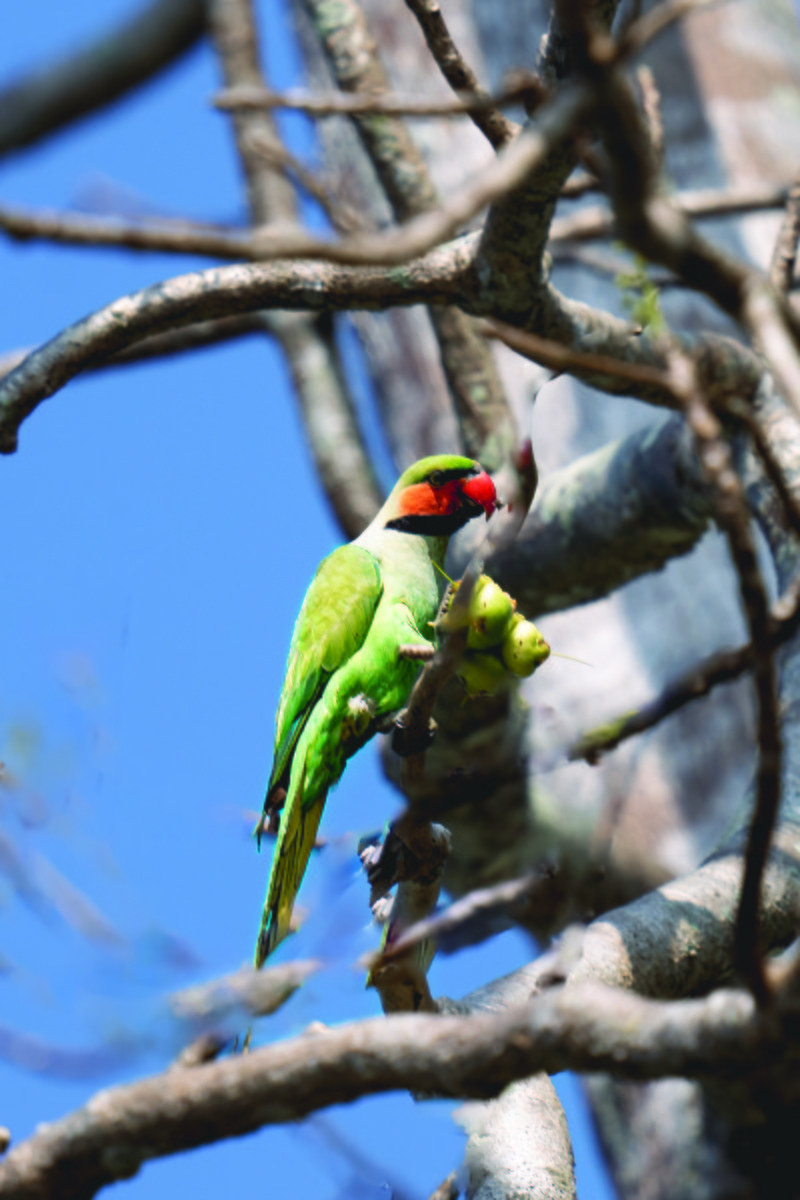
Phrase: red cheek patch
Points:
(422, 500)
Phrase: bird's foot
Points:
(408, 740)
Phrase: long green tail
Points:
(296, 837)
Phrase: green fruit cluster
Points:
(499, 639)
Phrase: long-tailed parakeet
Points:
(345, 678)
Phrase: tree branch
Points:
(783, 258)
(59, 93)
(733, 517)
(590, 224)
(585, 1028)
(207, 295)
(486, 422)
(162, 345)
(469, 101)
(327, 408)
(486, 115)
(77, 229)
(723, 667)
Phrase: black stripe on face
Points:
(437, 525)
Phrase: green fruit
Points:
(524, 648)
(451, 622)
(490, 613)
(481, 672)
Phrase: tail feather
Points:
(296, 837)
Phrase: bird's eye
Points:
(436, 479)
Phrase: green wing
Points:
(332, 625)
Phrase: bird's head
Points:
(438, 495)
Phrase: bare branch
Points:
(733, 517)
(469, 920)
(584, 1028)
(491, 122)
(579, 183)
(652, 224)
(448, 1189)
(486, 422)
(233, 30)
(419, 850)
(78, 229)
(206, 295)
(423, 232)
(651, 104)
(187, 237)
(416, 653)
(647, 27)
(469, 102)
(257, 993)
(597, 222)
(783, 257)
(519, 1144)
(62, 92)
(327, 408)
(717, 669)
(650, 382)
(343, 217)
(162, 345)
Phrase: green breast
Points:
(407, 570)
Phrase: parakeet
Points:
(344, 677)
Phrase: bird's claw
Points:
(408, 740)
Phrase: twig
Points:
(659, 385)
(549, 353)
(422, 653)
(342, 217)
(469, 101)
(59, 93)
(606, 262)
(733, 517)
(744, 415)
(448, 1189)
(211, 1008)
(423, 232)
(229, 243)
(651, 223)
(722, 667)
(162, 345)
(320, 382)
(81, 230)
(591, 224)
(651, 105)
(483, 413)
(783, 258)
(418, 852)
(492, 123)
(412, 726)
(652, 23)
(579, 183)
(258, 993)
(469, 917)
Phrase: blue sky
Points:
(161, 524)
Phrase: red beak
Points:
(481, 489)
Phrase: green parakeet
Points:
(345, 678)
